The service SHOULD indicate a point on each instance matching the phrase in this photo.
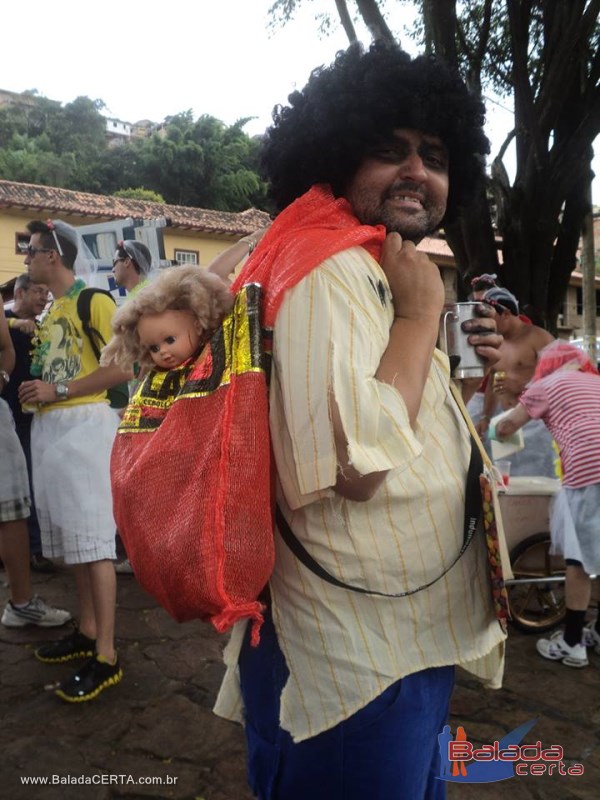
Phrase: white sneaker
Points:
(36, 612)
(591, 637)
(124, 567)
(556, 649)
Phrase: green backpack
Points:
(118, 396)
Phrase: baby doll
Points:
(167, 322)
(190, 465)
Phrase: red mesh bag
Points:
(191, 465)
(192, 505)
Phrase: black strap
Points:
(118, 395)
(472, 513)
(84, 304)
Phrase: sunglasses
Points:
(31, 251)
(116, 261)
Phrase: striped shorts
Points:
(14, 481)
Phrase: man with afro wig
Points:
(349, 687)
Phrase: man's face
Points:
(39, 260)
(503, 321)
(32, 301)
(121, 267)
(402, 184)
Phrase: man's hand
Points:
(418, 296)
(513, 422)
(27, 326)
(482, 426)
(33, 392)
(415, 281)
(483, 335)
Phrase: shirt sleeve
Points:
(535, 400)
(330, 335)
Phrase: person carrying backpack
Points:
(348, 688)
(72, 435)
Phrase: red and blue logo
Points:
(462, 761)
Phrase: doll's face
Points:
(170, 337)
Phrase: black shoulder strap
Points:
(473, 510)
(84, 306)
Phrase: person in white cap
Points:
(132, 264)
(508, 378)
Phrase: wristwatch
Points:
(62, 391)
(5, 376)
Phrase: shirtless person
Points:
(518, 358)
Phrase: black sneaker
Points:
(75, 645)
(87, 683)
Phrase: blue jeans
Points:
(386, 751)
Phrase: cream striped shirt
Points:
(343, 648)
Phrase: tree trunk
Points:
(373, 19)
(346, 20)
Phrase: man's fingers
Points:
(393, 243)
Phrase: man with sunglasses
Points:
(132, 263)
(30, 299)
(72, 436)
(23, 608)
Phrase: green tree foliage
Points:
(544, 56)
(140, 194)
(201, 162)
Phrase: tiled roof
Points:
(65, 201)
(435, 246)
(52, 200)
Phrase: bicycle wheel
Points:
(536, 595)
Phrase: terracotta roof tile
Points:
(54, 200)
(434, 246)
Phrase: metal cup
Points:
(464, 360)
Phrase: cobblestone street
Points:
(157, 725)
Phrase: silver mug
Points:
(464, 360)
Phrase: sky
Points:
(149, 60)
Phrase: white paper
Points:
(507, 446)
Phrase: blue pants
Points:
(386, 751)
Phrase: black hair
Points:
(326, 131)
(49, 238)
(23, 281)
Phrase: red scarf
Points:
(310, 230)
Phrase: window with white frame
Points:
(186, 256)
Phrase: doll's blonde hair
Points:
(186, 288)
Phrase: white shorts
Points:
(70, 450)
(575, 526)
(14, 483)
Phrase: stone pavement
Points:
(157, 726)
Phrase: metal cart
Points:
(536, 592)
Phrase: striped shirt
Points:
(568, 401)
(343, 648)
